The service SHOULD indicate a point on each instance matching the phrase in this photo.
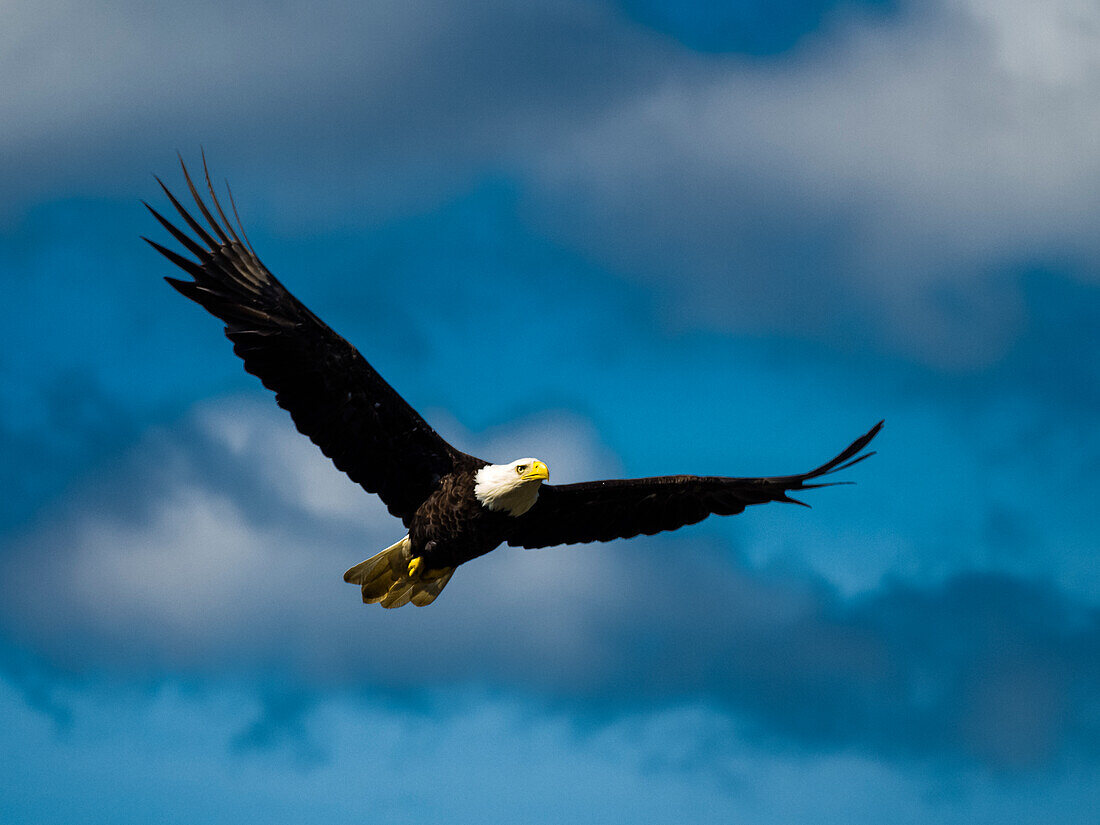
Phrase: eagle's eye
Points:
(521, 469)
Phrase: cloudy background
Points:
(633, 237)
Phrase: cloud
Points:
(900, 171)
(884, 184)
(166, 753)
(401, 101)
(207, 526)
(921, 646)
(199, 555)
(747, 27)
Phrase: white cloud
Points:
(262, 437)
(194, 556)
(222, 540)
(884, 177)
(182, 568)
(214, 537)
(366, 107)
(893, 171)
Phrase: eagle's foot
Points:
(415, 566)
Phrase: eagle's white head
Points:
(513, 488)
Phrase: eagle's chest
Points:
(452, 527)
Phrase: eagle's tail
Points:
(385, 578)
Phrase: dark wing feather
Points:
(621, 508)
(334, 396)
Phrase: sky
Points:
(629, 237)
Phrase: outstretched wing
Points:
(334, 396)
(621, 508)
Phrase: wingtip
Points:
(869, 436)
(179, 284)
(161, 249)
(866, 438)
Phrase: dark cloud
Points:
(881, 188)
(216, 551)
(746, 26)
(51, 432)
(149, 566)
(897, 216)
(282, 723)
(1057, 354)
(395, 101)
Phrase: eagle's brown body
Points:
(371, 433)
(451, 527)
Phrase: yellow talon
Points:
(414, 566)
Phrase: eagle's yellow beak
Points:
(538, 470)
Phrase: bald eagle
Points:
(455, 506)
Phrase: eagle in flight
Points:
(455, 506)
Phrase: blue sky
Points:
(630, 238)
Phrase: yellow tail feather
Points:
(385, 577)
